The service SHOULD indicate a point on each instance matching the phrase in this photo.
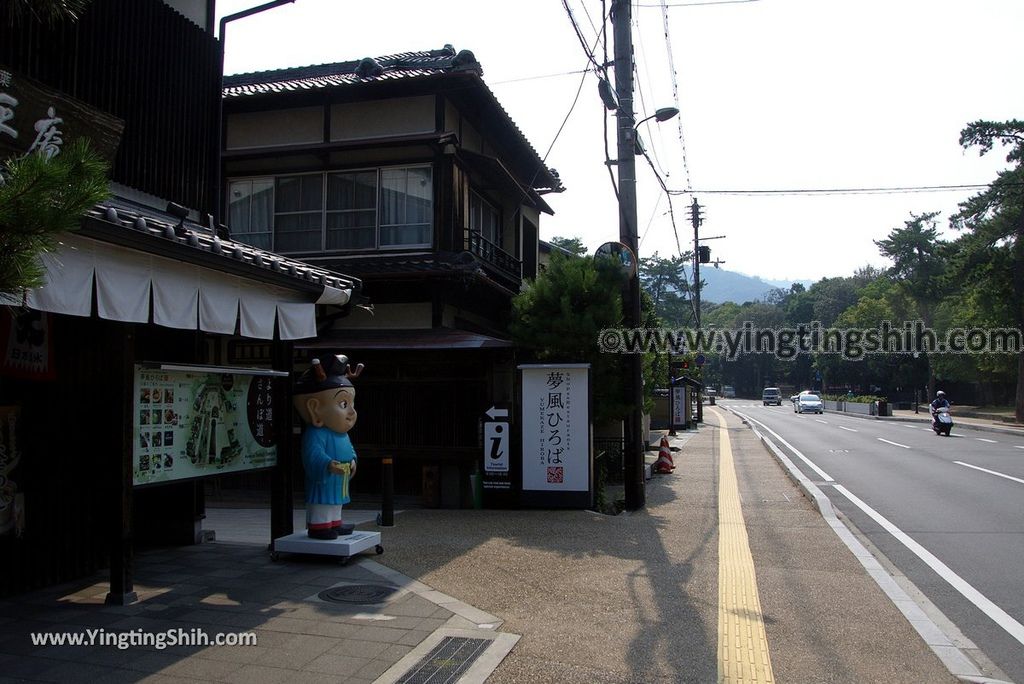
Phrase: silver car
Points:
(808, 403)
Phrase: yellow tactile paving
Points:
(742, 644)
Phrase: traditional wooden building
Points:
(132, 375)
(406, 172)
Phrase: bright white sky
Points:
(774, 94)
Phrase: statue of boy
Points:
(325, 399)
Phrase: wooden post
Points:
(121, 341)
(282, 503)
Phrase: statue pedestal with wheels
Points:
(342, 548)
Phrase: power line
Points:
(846, 191)
(535, 78)
(579, 35)
(675, 94)
(700, 4)
(640, 91)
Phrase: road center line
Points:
(991, 472)
(997, 614)
(846, 428)
(742, 642)
(824, 476)
(990, 441)
(893, 443)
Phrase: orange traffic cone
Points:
(664, 463)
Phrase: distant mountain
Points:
(728, 286)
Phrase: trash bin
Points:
(476, 484)
(883, 407)
(711, 400)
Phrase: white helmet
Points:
(940, 393)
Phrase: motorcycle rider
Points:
(940, 402)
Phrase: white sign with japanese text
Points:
(679, 406)
(556, 427)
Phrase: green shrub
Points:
(856, 399)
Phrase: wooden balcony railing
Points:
(494, 255)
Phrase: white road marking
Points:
(912, 427)
(846, 428)
(1018, 447)
(825, 476)
(991, 472)
(893, 443)
(990, 441)
(997, 614)
(826, 422)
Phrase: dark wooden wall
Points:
(141, 61)
(71, 439)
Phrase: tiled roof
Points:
(405, 66)
(161, 232)
(392, 67)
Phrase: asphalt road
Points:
(947, 512)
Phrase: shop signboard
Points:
(557, 466)
(35, 119)
(199, 421)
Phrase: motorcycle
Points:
(942, 421)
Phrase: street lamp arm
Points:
(247, 13)
(218, 172)
(663, 114)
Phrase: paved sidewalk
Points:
(635, 597)
(631, 598)
(230, 588)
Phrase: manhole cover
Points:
(358, 593)
(446, 662)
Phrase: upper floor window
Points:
(484, 218)
(251, 210)
(337, 211)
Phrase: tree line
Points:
(973, 280)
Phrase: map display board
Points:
(192, 423)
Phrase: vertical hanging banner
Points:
(195, 422)
(555, 418)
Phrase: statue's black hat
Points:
(329, 373)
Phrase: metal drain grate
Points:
(360, 594)
(446, 662)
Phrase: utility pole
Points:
(696, 220)
(633, 439)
